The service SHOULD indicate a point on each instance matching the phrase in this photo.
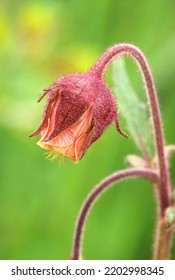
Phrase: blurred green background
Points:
(40, 199)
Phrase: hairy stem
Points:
(163, 233)
(163, 238)
(91, 199)
(99, 69)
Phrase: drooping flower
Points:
(79, 109)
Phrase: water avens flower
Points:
(79, 109)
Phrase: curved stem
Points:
(91, 199)
(163, 240)
(99, 69)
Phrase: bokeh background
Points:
(40, 199)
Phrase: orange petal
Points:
(51, 120)
(79, 145)
(71, 141)
(65, 138)
(66, 151)
(83, 124)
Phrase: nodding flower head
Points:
(79, 108)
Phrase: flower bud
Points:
(170, 216)
(79, 109)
